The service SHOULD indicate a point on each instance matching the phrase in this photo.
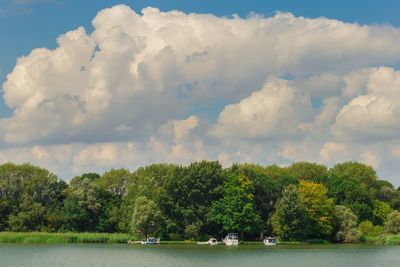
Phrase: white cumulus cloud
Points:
(156, 86)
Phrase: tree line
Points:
(300, 202)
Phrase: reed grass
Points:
(57, 238)
(388, 239)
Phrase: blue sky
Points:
(322, 84)
(28, 24)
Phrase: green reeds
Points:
(56, 238)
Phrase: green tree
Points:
(367, 228)
(319, 207)
(235, 210)
(189, 193)
(358, 172)
(349, 191)
(380, 212)
(115, 181)
(268, 184)
(113, 187)
(392, 224)
(148, 181)
(290, 221)
(146, 218)
(385, 191)
(82, 206)
(309, 171)
(346, 225)
(26, 193)
(31, 219)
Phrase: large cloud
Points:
(375, 114)
(170, 86)
(269, 113)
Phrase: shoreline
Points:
(120, 238)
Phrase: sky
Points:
(93, 85)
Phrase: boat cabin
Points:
(231, 239)
(151, 241)
(232, 236)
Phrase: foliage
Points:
(268, 184)
(290, 221)
(235, 210)
(389, 239)
(203, 199)
(26, 193)
(392, 224)
(309, 171)
(380, 212)
(367, 228)
(146, 181)
(355, 185)
(192, 231)
(115, 181)
(82, 207)
(146, 219)
(189, 194)
(319, 209)
(346, 225)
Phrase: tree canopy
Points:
(203, 199)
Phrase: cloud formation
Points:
(168, 86)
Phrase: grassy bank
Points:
(54, 238)
(60, 238)
(388, 239)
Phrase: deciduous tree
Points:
(290, 220)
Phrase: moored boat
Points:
(270, 241)
(151, 241)
(212, 242)
(231, 239)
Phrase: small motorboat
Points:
(270, 241)
(212, 242)
(151, 241)
(231, 239)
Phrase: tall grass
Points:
(388, 239)
(54, 238)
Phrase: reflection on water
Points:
(193, 255)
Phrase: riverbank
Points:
(383, 239)
(65, 238)
(108, 238)
(54, 238)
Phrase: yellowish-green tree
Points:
(320, 209)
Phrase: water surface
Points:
(194, 255)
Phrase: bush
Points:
(345, 227)
(367, 228)
(392, 224)
(192, 231)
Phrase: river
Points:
(195, 255)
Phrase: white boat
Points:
(151, 241)
(270, 241)
(231, 239)
(212, 242)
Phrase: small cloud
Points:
(31, 2)
(21, 7)
(14, 11)
(122, 128)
